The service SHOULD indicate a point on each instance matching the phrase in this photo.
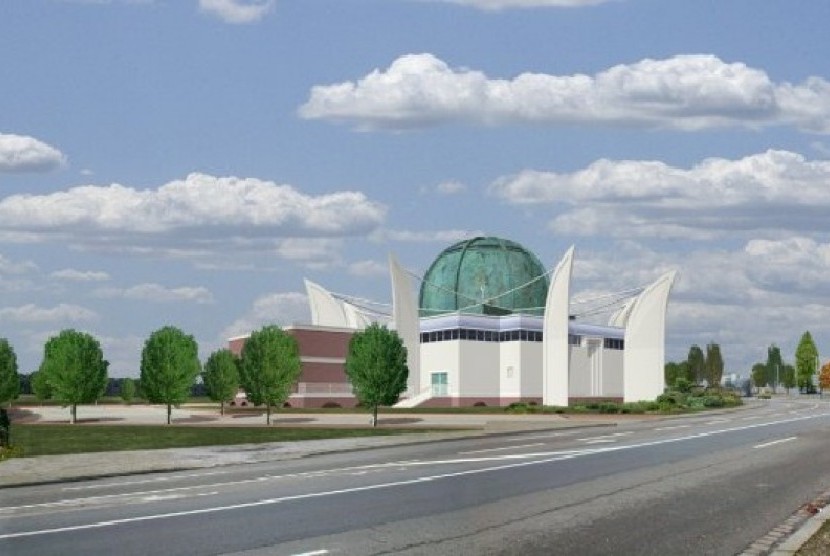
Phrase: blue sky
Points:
(189, 162)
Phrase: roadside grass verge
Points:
(38, 440)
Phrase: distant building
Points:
(491, 327)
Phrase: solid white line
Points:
(314, 553)
(548, 457)
(774, 442)
(503, 448)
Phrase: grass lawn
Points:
(37, 440)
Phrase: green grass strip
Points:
(38, 440)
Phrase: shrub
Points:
(608, 407)
(7, 452)
(713, 401)
(331, 405)
(480, 404)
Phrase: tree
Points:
(221, 377)
(75, 369)
(697, 363)
(376, 367)
(714, 364)
(269, 368)
(40, 386)
(127, 390)
(788, 376)
(824, 377)
(806, 361)
(169, 365)
(774, 366)
(9, 381)
(759, 374)
(671, 371)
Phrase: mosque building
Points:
(490, 327)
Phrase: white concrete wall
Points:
(612, 385)
(512, 369)
(531, 358)
(481, 362)
(580, 375)
(441, 357)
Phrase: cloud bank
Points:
(686, 92)
(199, 208)
(770, 191)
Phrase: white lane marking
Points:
(313, 553)
(145, 481)
(547, 457)
(774, 442)
(672, 427)
(551, 435)
(604, 438)
(503, 448)
(716, 421)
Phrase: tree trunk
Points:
(268, 414)
(222, 408)
(374, 416)
(169, 411)
(73, 414)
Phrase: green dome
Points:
(481, 275)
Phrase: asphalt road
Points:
(707, 484)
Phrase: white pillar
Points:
(645, 334)
(555, 356)
(407, 323)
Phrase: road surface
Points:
(703, 484)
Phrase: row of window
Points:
(613, 343)
(506, 336)
(481, 335)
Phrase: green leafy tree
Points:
(788, 376)
(127, 390)
(671, 371)
(9, 380)
(697, 364)
(269, 368)
(169, 366)
(221, 377)
(774, 366)
(75, 368)
(376, 367)
(806, 362)
(40, 386)
(759, 375)
(714, 364)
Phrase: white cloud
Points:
(159, 293)
(7, 266)
(197, 209)
(368, 268)
(276, 308)
(427, 236)
(685, 92)
(20, 153)
(772, 191)
(507, 4)
(60, 313)
(74, 275)
(237, 11)
(451, 187)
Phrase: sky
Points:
(190, 162)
